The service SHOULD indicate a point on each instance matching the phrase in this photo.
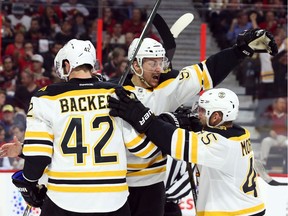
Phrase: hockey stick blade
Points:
(181, 24)
(264, 175)
(167, 37)
(143, 33)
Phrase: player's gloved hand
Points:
(32, 192)
(170, 118)
(187, 119)
(256, 40)
(131, 110)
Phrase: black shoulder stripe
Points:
(235, 131)
(170, 75)
(59, 88)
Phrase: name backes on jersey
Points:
(87, 103)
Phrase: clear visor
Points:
(154, 63)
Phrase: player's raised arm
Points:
(249, 42)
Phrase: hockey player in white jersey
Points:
(71, 134)
(228, 182)
(165, 92)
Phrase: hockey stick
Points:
(27, 210)
(181, 24)
(264, 175)
(192, 183)
(168, 35)
(143, 33)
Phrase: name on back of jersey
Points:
(84, 103)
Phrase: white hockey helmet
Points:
(220, 99)
(149, 48)
(76, 52)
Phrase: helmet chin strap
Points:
(142, 78)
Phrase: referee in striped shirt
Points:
(177, 185)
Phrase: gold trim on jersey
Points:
(145, 165)
(179, 144)
(146, 151)
(165, 83)
(252, 210)
(31, 148)
(82, 92)
(95, 174)
(206, 82)
(135, 141)
(39, 135)
(147, 171)
(194, 148)
(199, 74)
(88, 188)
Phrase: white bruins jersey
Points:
(166, 97)
(228, 182)
(69, 124)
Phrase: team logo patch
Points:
(221, 94)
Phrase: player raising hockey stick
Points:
(228, 181)
(165, 92)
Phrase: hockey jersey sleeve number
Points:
(73, 141)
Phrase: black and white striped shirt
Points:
(177, 180)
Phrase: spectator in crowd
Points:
(7, 33)
(108, 20)
(66, 33)
(107, 48)
(50, 21)
(125, 10)
(2, 102)
(4, 162)
(25, 60)
(69, 8)
(122, 66)
(220, 20)
(34, 34)
(273, 123)
(110, 68)
(8, 121)
(41, 77)
(129, 37)
(91, 34)
(79, 25)
(49, 56)
(25, 91)
(279, 64)
(135, 24)
(18, 136)
(270, 79)
(270, 22)
(18, 16)
(8, 77)
(117, 37)
(16, 48)
(237, 26)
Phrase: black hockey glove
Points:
(187, 119)
(32, 193)
(256, 40)
(131, 110)
(182, 120)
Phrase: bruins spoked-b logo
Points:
(221, 95)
